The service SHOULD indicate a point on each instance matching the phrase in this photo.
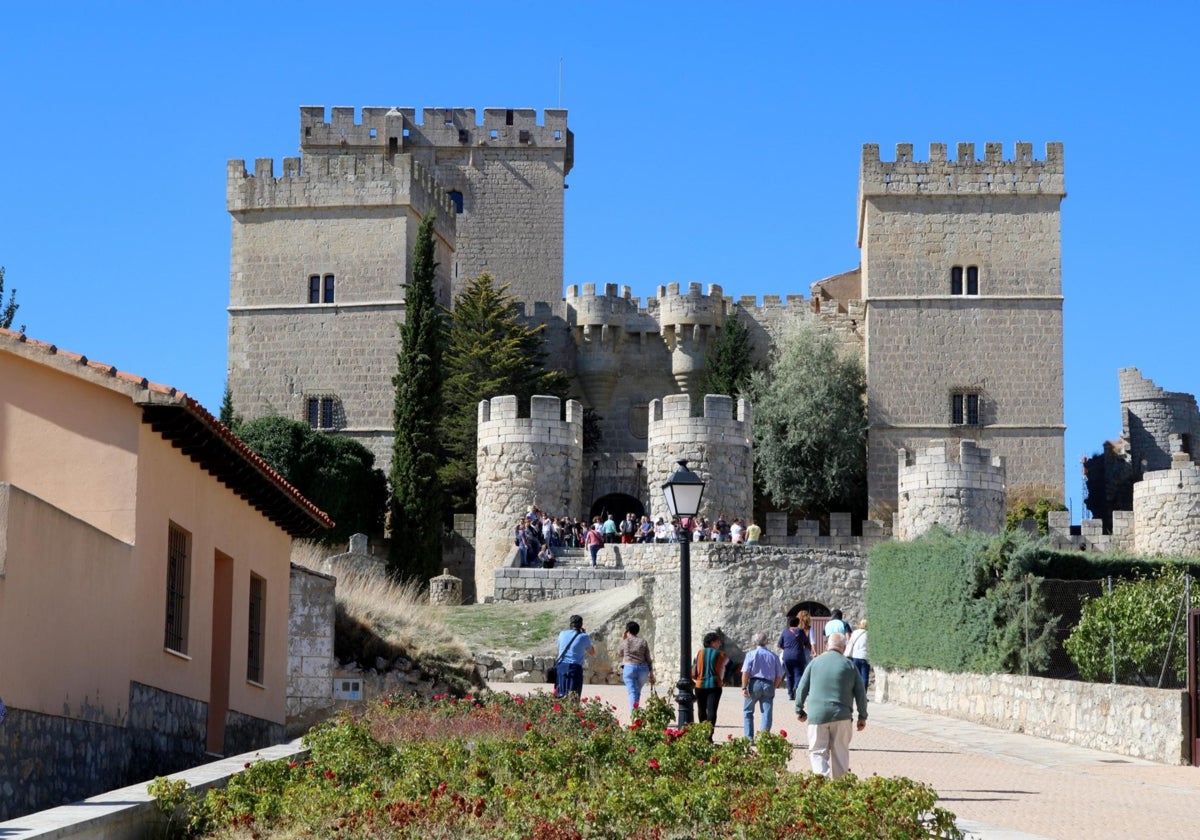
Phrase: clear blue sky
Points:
(716, 143)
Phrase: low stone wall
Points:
(550, 584)
(1148, 723)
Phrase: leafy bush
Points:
(958, 603)
(1134, 623)
(536, 767)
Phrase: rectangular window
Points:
(964, 409)
(179, 572)
(320, 412)
(314, 289)
(971, 287)
(329, 288)
(254, 650)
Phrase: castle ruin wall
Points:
(963, 495)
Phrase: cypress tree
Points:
(416, 509)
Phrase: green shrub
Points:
(1135, 624)
(958, 603)
(536, 767)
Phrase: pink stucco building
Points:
(144, 564)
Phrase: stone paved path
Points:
(1000, 785)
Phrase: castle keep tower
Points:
(961, 279)
(320, 253)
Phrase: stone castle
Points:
(956, 309)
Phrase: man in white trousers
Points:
(829, 689)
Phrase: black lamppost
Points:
(683, 491)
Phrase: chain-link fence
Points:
(1065, 599)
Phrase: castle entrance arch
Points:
(618, 504)
(820, 615)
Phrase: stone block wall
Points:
(517, 584)
(1147, 723)
(311, 616)
(1150, 415)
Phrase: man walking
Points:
(830, 687)
(762, 672)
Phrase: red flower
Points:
(654, 764)
(782, 733)
(328, 774)
(528, 726)
(557, 707)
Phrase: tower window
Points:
(328, 288)
(314, 289)
(971, 274)
(323, 412)
(457, 198)
(964, 409)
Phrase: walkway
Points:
(1000, 785)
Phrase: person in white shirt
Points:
(856, 651)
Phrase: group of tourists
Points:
(825, 689)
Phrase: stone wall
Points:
(1149, 416)
(1148, 723)
(517, 584)
(1166, 510)
(49, 760)
(311, 616)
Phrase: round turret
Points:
(718, 447)
(522, 462)
(688, 323)
(1166, 510)
(964, 495)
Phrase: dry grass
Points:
(381, 618)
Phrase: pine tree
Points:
(10, 310)
(490, 352)
(730, 360)
(416, 510)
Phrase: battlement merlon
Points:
(717, 407)
(346, 180)
(543, 410)
(940, 177)
(399, 129)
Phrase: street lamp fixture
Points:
(683, 491)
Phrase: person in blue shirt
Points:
(574, 646)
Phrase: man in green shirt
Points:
(830, 687)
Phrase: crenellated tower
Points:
(320, 259)
(522, 462)
(962, 286)
(960, 494)
(688, 323)
(717, 444)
